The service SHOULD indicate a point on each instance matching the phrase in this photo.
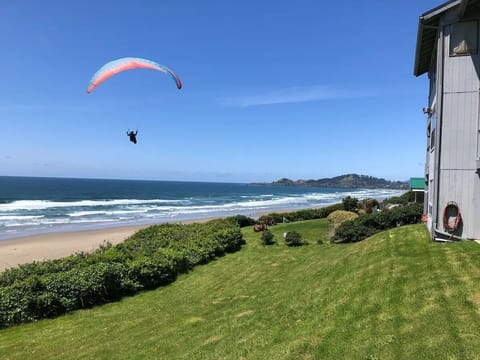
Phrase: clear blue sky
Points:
(297, 89)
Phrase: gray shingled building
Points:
(447, 50)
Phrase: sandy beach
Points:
(56, 245)
(40, 247)
(22, 250)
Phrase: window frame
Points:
(450, 45)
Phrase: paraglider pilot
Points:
(133, 136)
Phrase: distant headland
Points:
(352, 181)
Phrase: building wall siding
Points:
(460, 72)
(462, 187)
(458, 151)
(459, 131)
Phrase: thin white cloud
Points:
(294, 95)
(21, 107)
(45, 107)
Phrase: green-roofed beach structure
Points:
(417, 185)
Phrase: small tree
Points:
(369, 204)
(267, 237)
(269, 219)
(293, 238)
(350, 204)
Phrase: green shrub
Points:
(300, 215)
(242, 220)
(150, 258)
(352, 231)
(350, 204)
(410, 214)
(293, 238)
(403, 199)
(368, 224)
(267, 237)
(151, 272)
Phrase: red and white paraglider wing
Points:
(117, 66)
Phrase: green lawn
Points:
(396, 295)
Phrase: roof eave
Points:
(429, 20)
(416, 70)
(436, 12)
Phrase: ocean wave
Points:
(50, 222)
(252, 196)
(35, 215)
(47, 204)
(115, 212)
(19, 217)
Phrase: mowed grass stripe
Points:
(396, 295)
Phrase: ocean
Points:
(30, 205)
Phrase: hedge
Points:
(368, 224)
(151, 258)
(300, 215)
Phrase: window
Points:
(430, 197)
(429, 131)
(433, 126)
(464, 38)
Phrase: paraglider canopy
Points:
(117, 66)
